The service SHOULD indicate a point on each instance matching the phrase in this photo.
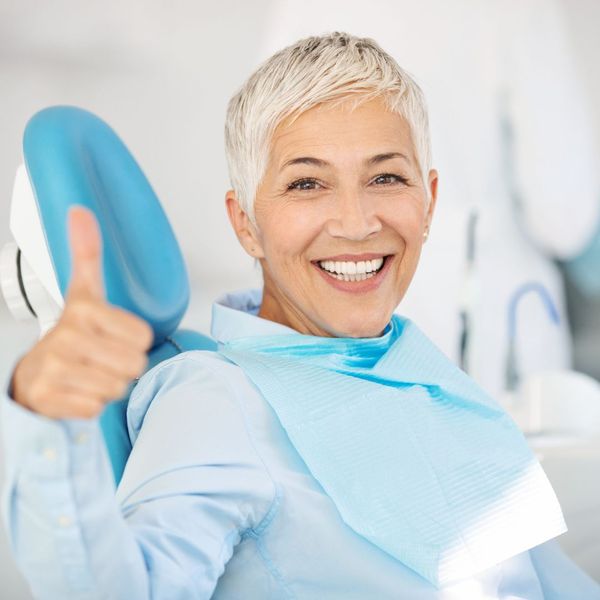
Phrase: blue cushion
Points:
(73, 157)
(114, 417)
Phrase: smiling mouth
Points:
(353, 271)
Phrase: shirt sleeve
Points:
(193, 485)
(559, 576)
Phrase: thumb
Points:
(85, 241)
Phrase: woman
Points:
(280, 466)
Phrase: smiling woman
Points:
(327, 449)
(352, 193)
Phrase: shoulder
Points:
(190, 383)
(190, 435)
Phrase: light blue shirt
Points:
(214, 501)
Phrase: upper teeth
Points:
(352, 268)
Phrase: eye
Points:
(306, 184)
(300, 184)
(399, 178)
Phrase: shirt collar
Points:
(235, 315)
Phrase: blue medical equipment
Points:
(584, 269)
(468, 299)
(73, 157)
(512, 375)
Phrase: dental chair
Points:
(73, 157)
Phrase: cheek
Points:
(408, 224)
(289, 234)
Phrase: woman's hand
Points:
(94, 351)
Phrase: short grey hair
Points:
(316, 69)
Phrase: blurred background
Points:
(514, 96)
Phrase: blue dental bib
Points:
(416, 457)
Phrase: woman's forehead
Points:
(360, 135)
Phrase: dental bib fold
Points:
(417, 458)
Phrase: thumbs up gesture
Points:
(94, 351)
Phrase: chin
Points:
(360, 326)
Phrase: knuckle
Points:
(50, 365)
(49, 409)
(53, 406)
(85, 410)
(72, 307)
(64, 334)
(92, 408)
(87, 406)
(35, 391)
(137, 365)
(118, 388)
(142, 332)
(146, 334)
(69, 332)
(80, 309)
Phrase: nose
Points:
(354, 216)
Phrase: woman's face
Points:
(341, 215)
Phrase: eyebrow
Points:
(318, 162)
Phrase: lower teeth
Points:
(342, 277)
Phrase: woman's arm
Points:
(194, 483)
(560, 577)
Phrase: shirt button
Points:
(49, 453)
(81, 438)
(64, 521)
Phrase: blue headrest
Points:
(73, 157)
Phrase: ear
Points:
(433, 190)
(244, 229)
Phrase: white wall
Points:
(161, 74)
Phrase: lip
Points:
(352, 257)
(357, 287)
